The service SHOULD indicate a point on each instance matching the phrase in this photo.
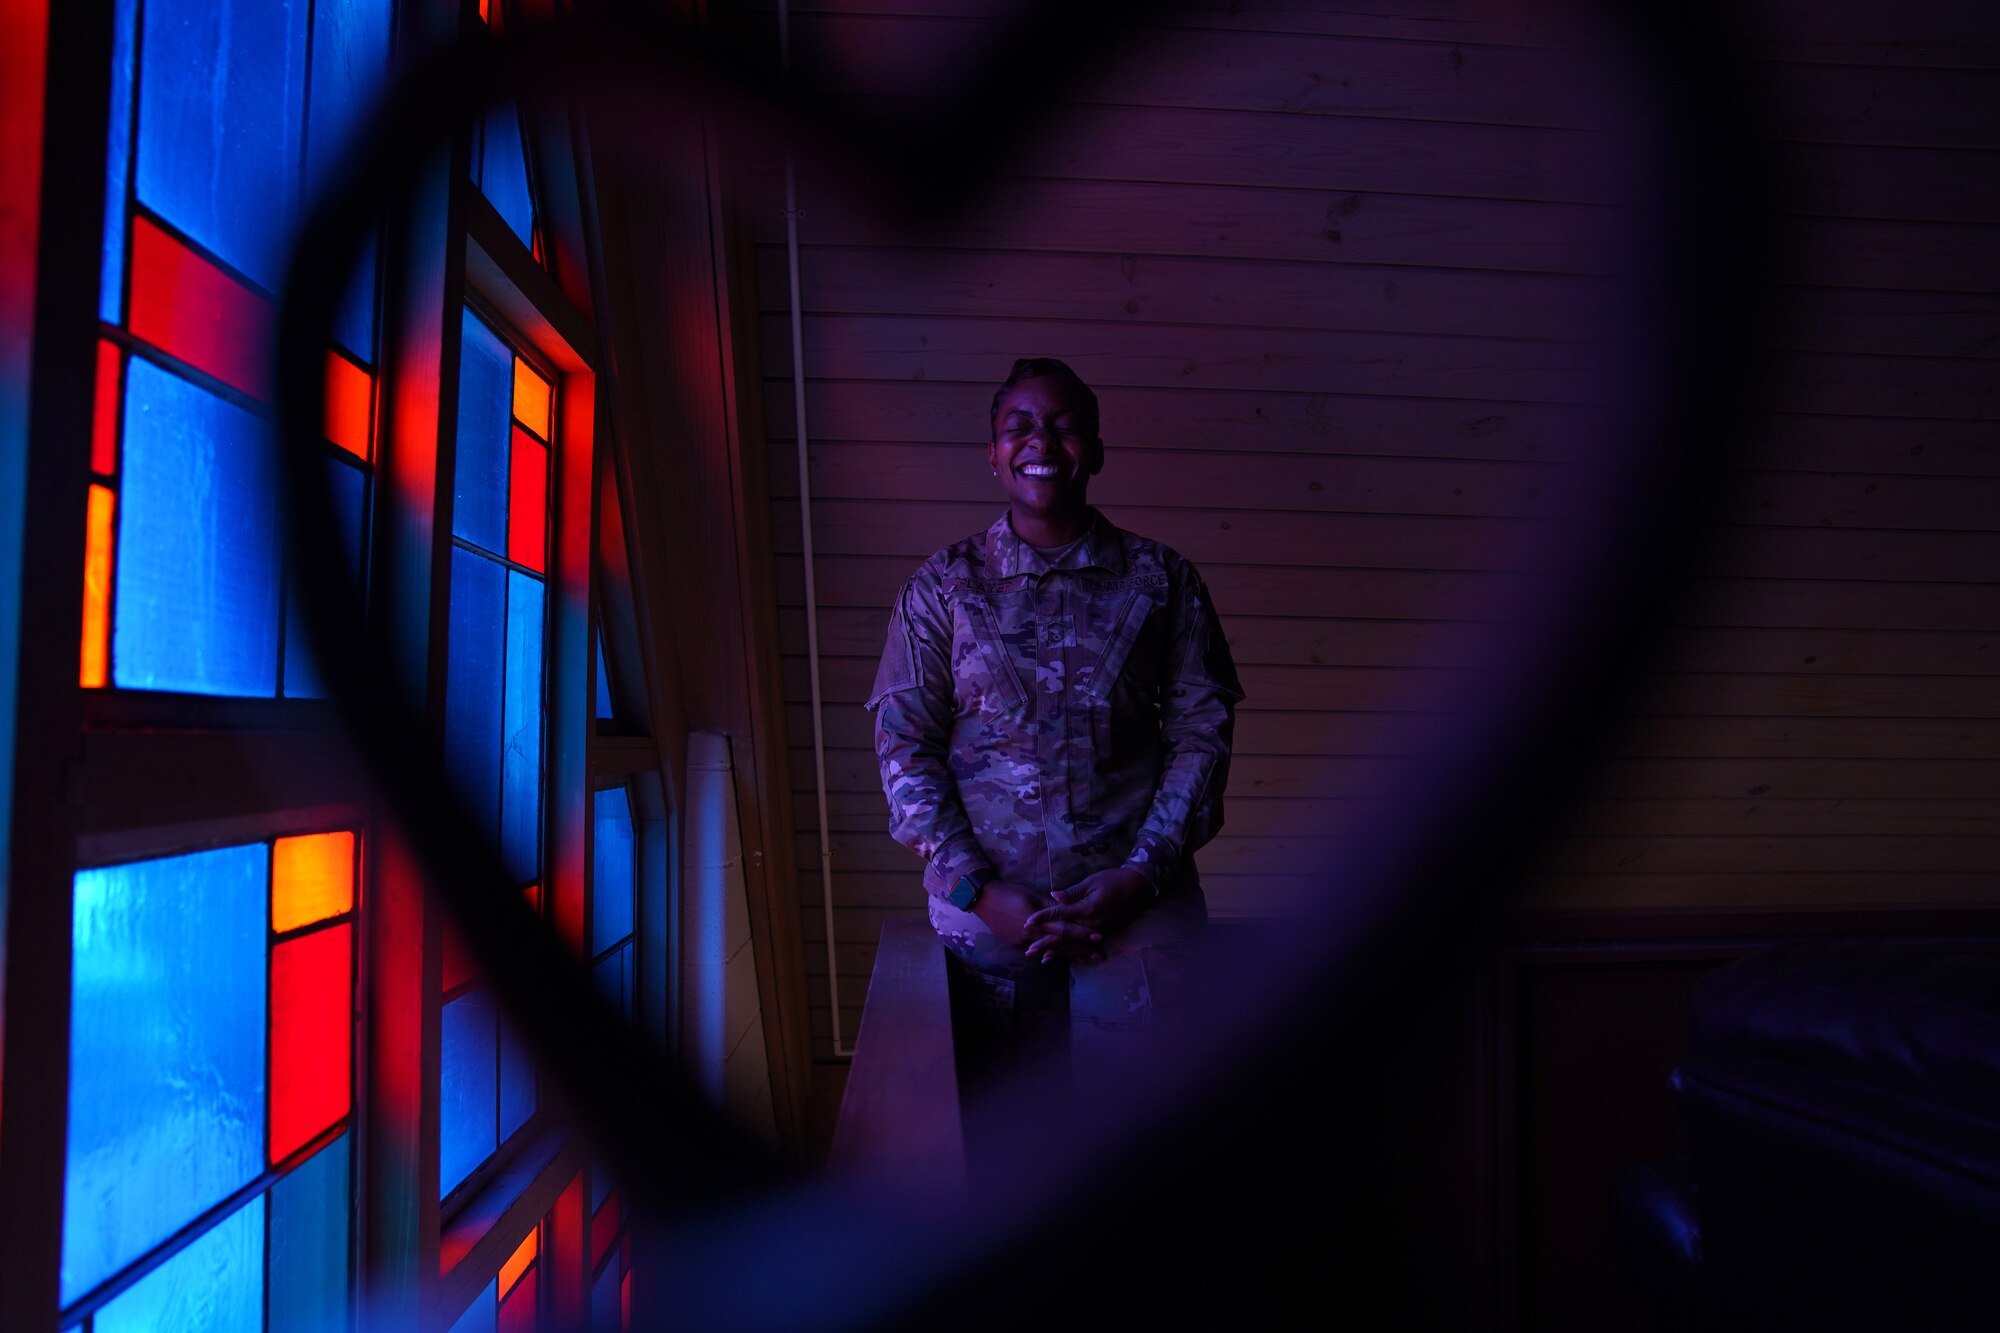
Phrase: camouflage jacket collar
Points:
(1102, 547)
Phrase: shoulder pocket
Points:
(981, 661)
(1125, 633)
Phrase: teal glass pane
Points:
(350, 59)
(166, 1092)
(517, 1083)
(347, 489)
(483, 1315)
(472, 696)
(521, 732)
(117, 163)
(221, 109)
(604, 712)
(611, 880)
(503, 171)
(485, 434)
(309, 1244)
(215, 1285)
(196, 599)
(466, 1088)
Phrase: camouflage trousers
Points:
(1093, 1020)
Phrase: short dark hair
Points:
(1034, 368)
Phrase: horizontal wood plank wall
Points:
(1347, 285)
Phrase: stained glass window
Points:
(613, 885)
(211, 1086)
(610, 1259)
(223, 118)
(511, 1302)
(495, 712)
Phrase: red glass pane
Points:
(349, 390)
(517, 1312)
(311, 1024)
(625, 1303)
(104, 419)
(458, 966)
(188, 308)
(528, 502)
(603, 1229)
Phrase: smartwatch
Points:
(966, 892)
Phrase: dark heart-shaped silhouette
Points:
(753, 1245)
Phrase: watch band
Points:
(970, 885)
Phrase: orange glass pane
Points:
(528, 501)
(312, 878)
(348, 390)
(104, 420)
(532, 398)
(483, 16)
(517, 1262)
(96, 667)
(533, 893)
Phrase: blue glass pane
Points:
(166, 1104)
(465, 1089)
(221, 100)
(117, 164)
(517, 1083)
(611, 880)
(354, 319)
(604, 1304)
(347, 489)
(521, 731)
(614, 979)
(472, 685)
(349, 61)
(603, 681)
(215, 1285)
(309, 1229)
(197, 569)
(483, 1315)
(503, 171)
(485, 431)
(600, 1186)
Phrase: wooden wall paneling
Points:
(1396, 282)
(921, 412)
(1126, 287)
(1314, 221)
(1322, 361)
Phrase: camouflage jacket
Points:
(1052, 720)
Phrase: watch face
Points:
(963, 894)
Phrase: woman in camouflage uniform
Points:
(1052, 719)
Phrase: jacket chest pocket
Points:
(982, 659)
(1130, 658)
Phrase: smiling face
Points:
(1045, 450)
